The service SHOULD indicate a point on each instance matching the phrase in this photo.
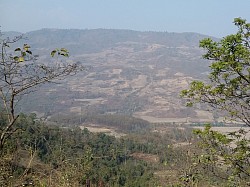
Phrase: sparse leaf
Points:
(53, 53)
(21, 59)
(66, 55)
(26, 47)
(18, 49)
(16, 58)
(29, 52)
(64, 50)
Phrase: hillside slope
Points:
(129, 72)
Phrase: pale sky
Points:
(210, 17)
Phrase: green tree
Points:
(224, 157)
(20, 73)
(228, 88)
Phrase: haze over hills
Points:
(128, 72)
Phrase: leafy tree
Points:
(228, 154)
(20, 73)
(224, 157)
(228, 88)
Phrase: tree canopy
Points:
(224, 155)
(228, 88)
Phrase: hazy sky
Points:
(211, 17)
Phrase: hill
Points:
(127, 72)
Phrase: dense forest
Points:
(50, 155)
(46, 155)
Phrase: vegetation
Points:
(35, 154)
(121, 123)
(229, 87)
(224, 158)
(59, 153)
(47, 155)
(20, 74)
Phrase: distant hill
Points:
(134, 73)
(10, 34)
(98, 39)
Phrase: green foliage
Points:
(224, 155)
(24, 54)
(69, 156)
(62, 51)
(122, 123)
(229, 86)
(224, 158)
